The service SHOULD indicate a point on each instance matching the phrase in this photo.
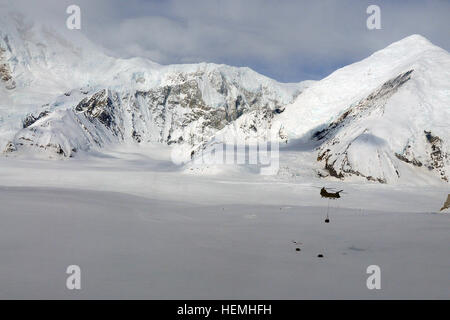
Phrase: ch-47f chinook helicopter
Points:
(331, 195)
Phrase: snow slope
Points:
(131, 247)
(139, 228)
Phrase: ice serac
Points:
(383, 118)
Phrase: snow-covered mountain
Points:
(382, 119)
(188, 106)
(92, 99)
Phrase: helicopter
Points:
(331, 195)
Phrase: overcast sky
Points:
(286, 40)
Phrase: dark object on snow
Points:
(327, 220)
(446, 204)
(297, 249)
(320, 255)
(332, 195)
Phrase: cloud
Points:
(286, 40)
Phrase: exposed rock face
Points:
(446, 204)
(10, 147)
(5, 72)
(438, 158)
(254, 126)
(180, 113)
(101, 107)
(30, 119)
(408, 157)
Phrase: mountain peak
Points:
(396, 94)
(414, 41)
(407, 48)
(414, 38)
